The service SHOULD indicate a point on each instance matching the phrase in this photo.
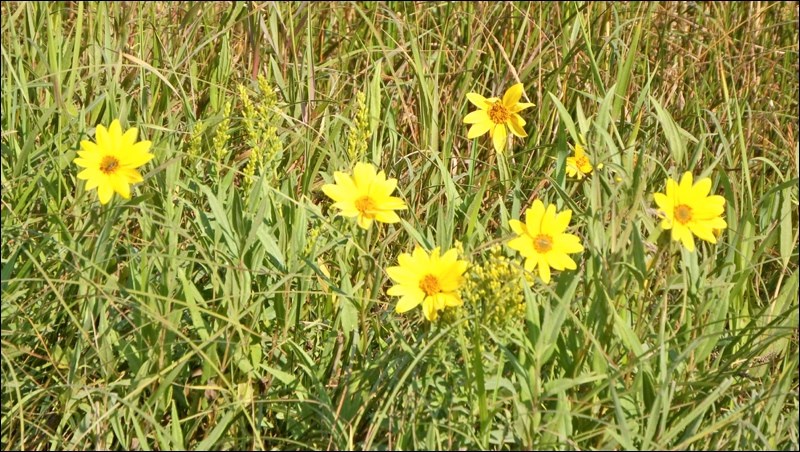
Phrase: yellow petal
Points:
(452, 300)
(363, 175)
(429, 309)
(104, 192)
(364, 222)
(517, 226)
(115, 129)
(403, 275)
(663, 202)
(130, 175)
(701, 188)
(478, 100)
(523, 244)
(137, 156)
(544, 269)
(520, 106)
(101, 137)
(702, 231)
(129, 137)
(515, 125)
(512, 95)
(562, 220)
(500, 138)
(686, 184)
(476, 117)
(90, 150)
(387, 217)
(479, 129)
(407, 303)
(335, 192)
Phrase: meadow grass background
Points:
(213, 310)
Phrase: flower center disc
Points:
(542, 243)
(430, 285)
(365, 204)
(498, 113)
(683, 213)
(581, 161)
(109, 164)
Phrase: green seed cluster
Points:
(311, 239)
(260, 119)
(196, 141)
(221, 136)
(493, 290)
(359, 133)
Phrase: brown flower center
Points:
(683, 213)
(498, 113)
(542, 243)
(430, 285)
(109, 164)
(365, 205)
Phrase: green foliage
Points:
(224, 306)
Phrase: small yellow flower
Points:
(496, 114)
(542, 241)
(431, 280)
(579, 165)
(111, 162)
(687, 209)
(366, 195)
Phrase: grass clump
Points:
(227, 303)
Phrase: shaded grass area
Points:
(214, 310)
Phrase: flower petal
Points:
(408, 302)
(500, 138)
(520, 106)
(479, 129)
(476, 117)
(478, 100)
(387, 216)
(120, 185)
(512, 95)
(516, 127)
(544, 269)
(363, 175)
(104, 192)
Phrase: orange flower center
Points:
(430, 285)
(365, 205)
(683, 213)
(109, 164)
(542, 243)
(498, 113)
(581, 162)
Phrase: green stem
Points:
(477, 364)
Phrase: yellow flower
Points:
(687, 209)
(495, 115)
(366, 195)
(542, 241)
(432, 280)
(580, 164)
(111, 162)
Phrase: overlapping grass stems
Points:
(224, 306)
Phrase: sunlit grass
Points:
(226, 304)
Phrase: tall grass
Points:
(221, 310)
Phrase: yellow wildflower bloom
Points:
(687, 210)
(366, 195)
(579, 165)
(542, 241)
(111, 162)
(431, 280)
(496, 114)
